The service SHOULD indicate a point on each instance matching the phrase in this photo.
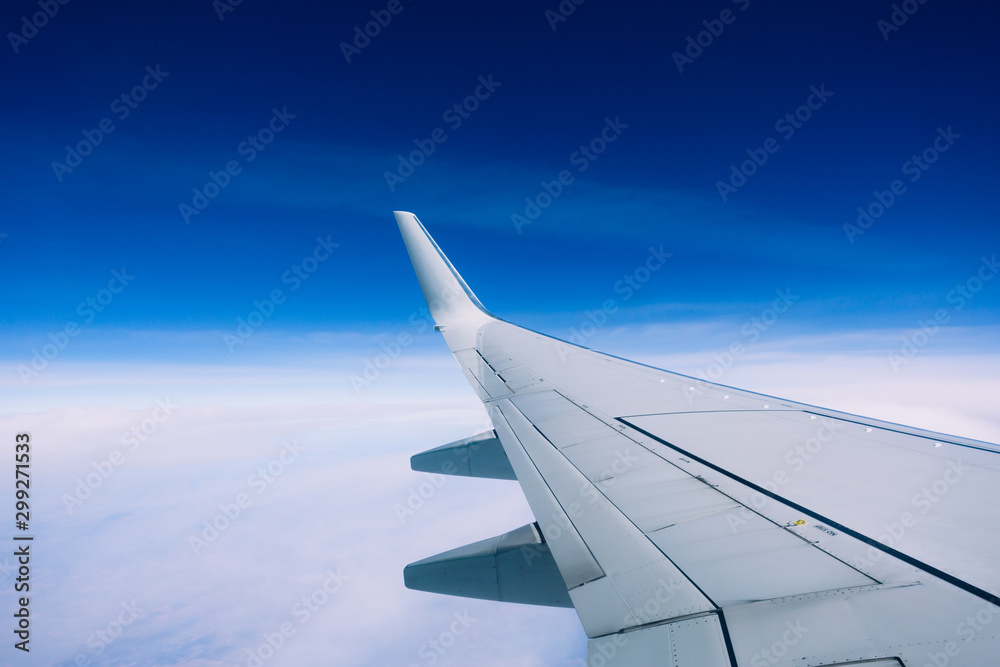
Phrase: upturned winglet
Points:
(452, 304)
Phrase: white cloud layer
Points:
(126, 538)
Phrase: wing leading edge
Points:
(697, 524)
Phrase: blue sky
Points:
(656, 184)
(620, 144)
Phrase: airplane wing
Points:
(692, 524)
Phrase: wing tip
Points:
(448, 296)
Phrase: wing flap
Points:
(904, 490)
(752, 560)
(632, 564)
(693, 642)
(730, 552)
(576, 564)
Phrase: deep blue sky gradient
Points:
(656, 184)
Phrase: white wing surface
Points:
(696, 525)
